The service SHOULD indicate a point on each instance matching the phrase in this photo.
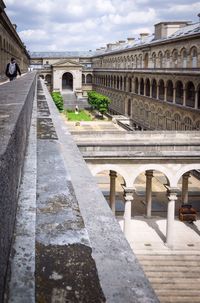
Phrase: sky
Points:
(65, 25)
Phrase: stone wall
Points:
(15, 114)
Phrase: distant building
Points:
(154, 79)
(10, 44)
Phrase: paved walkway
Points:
(148, 235)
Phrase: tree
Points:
(98, 102)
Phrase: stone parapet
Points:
(16, 99)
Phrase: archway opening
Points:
(156, 192)
(67, 81)
(110, 183)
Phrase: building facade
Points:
(154, 79)
(10, 44)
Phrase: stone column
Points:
(149, 176)
(150, 95)
(174, 95)
(172, 197)
(196, 100)
(165, 93)
(113, 176)
(185, 188)
(128, 197)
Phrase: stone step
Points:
(179, 292)
(175, 299)
(171, 274)
(168, 257)
(177, 280)
(176, 263)
(183, 269)
(193, 286)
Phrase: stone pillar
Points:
(185, 188)
(150, 95)
(113, 176)
(172, 197)
(128, 197)
(165, 93)
(196, 100)
(149, 176)
(174, 95)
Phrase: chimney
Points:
(130, 40)
(165, 29)
(121, 42)
(143, 36)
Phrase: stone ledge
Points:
(16, 99)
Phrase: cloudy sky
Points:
(59, 25)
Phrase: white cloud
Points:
(77, 24)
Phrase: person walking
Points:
(12, 69)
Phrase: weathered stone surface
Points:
(16, 100)
(66, 273)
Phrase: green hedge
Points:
(58, 99)
(98, 101)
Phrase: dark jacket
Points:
(17, 70)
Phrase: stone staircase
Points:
(70, 101)
(175, 278)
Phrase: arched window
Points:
(179, 93)
(167, 59)
(83, 78)
(190, 94)
(161, 90)
(197, 125)
(147, 88)
(89, 78)
(193, 54)
(187, 123)
(177, 121)
(169, 91)
(160, 59)
(175, 58)
(184, 57)
(130, 85)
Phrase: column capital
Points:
(113, 173)
(128, 193)
(186, 175)
(149, 173)
(172, 193)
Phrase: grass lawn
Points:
(81, 116)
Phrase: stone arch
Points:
(197, 125)
(41, 76)
(160, 59)
(170, 89)
(193, 57)
(184, 169)
(158, 167)
(161, 92)
(107, 167)
(89, 79)
(136, 85)
(154, 89)
(190, 94)
(154, 60)
(184, 57)
(146, 60)
(67, 81)
(168, 120)
(48, 78)
(187, 121)
(179, 92)
(83, 79)
(147, 84)
(175, 57)
(141, 86)
(167, 59)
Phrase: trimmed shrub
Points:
(98, 101)
(58, 100)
